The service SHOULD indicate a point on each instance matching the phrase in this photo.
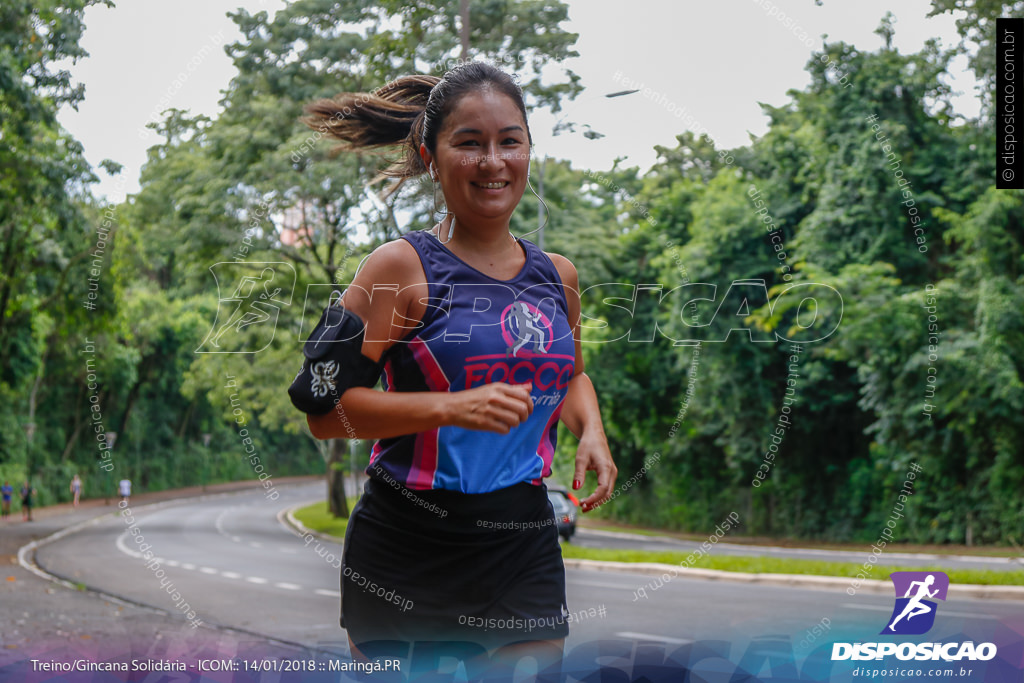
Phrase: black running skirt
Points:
(441, 565)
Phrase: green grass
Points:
(318, 518)
(776, 565)
(974, 551)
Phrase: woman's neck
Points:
(488, 239)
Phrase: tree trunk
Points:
(9, 260)
(337, 503)
(133, 394)
(78, 426)
(32, 413)
(188, 417)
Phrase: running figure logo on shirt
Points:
(523, 323)
(529, 350)
(915, 587)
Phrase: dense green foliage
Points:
(845, 193)
(847, 210)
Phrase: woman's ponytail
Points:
(391, 115)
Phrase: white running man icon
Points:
(248, 311)
(915, 606)
(528, 330)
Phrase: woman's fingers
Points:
(496, 407)
(594, 455)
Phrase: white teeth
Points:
(492, 186)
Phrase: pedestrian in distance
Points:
(124, 487)
(454, 520)
(5, 504)
(27, 494)
(76, 490)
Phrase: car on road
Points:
(565, 512)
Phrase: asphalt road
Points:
(232, 560)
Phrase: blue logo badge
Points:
(914, 612)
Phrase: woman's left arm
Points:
(580, 412)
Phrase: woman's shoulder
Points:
(397, 260)
(566, 270)
(397, 251)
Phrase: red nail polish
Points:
(576, 483)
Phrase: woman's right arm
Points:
(368, 414)
(386, 293)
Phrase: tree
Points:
(43, 181)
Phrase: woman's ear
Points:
(428, 161)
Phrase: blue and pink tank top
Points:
(478, 330)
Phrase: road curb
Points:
(961, 590)
(287, 519)
(26, 559)
(27, 553)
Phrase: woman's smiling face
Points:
(482, 157)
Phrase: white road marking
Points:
(125, 549)
(123, 546)
(647, 636)
(599, 584)
(218, 523)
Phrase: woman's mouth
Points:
(493, 185)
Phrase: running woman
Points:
(478, 333)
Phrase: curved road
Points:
(237, 565)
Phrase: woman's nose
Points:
(492, 157)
